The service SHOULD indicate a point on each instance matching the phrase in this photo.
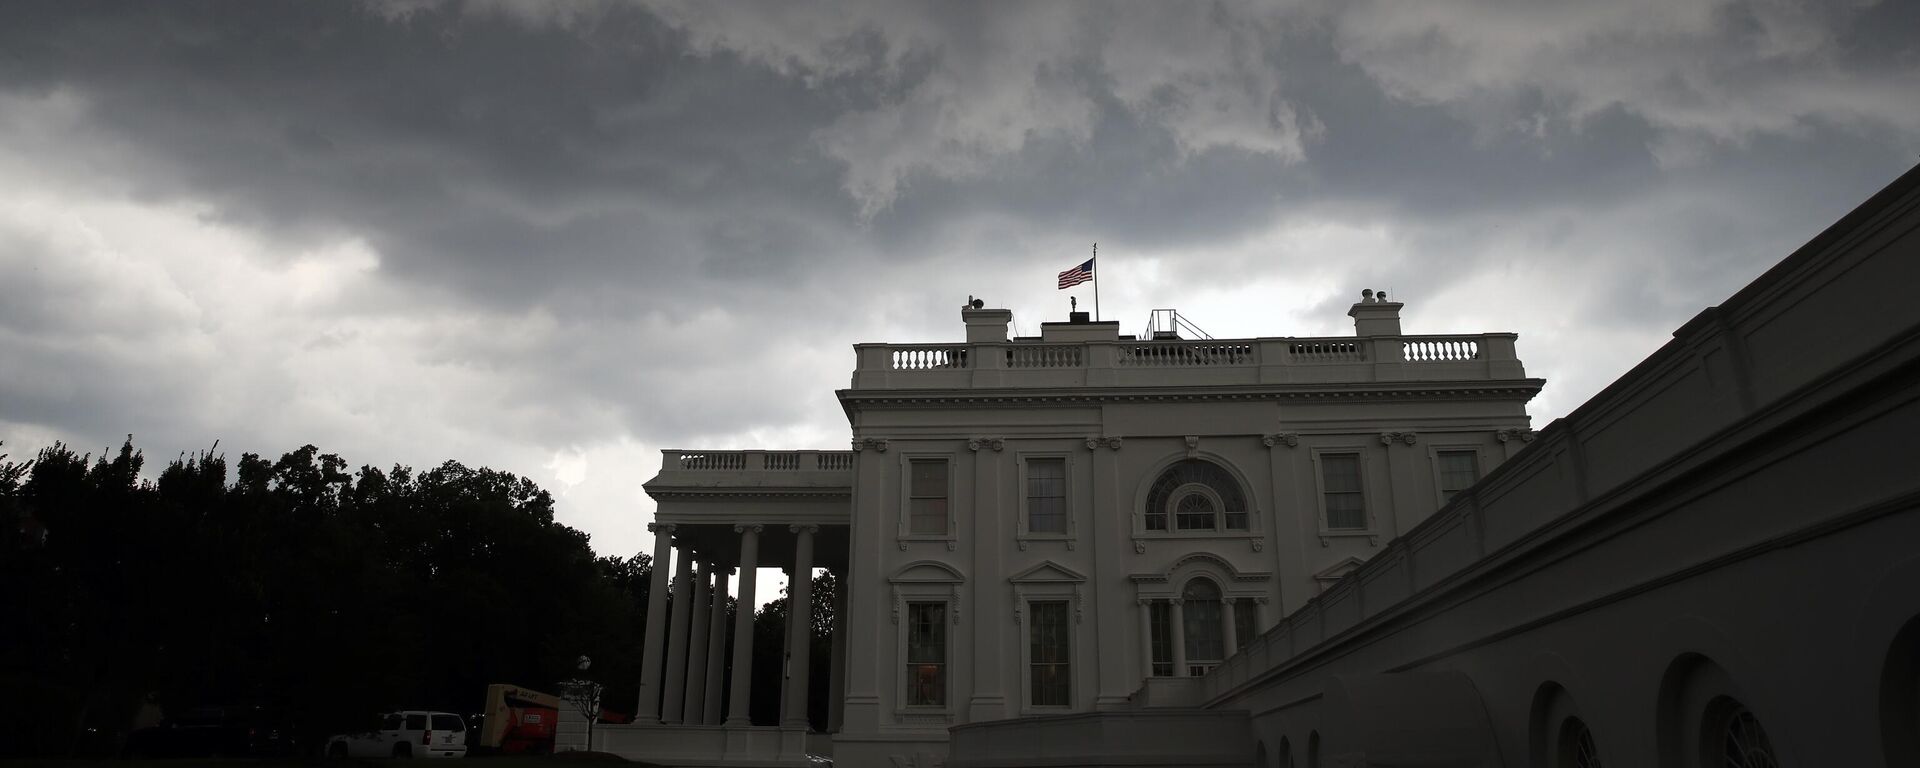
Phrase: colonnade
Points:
(685, 644)
(1177, 631)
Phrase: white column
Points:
(1146, 637)
(1227, 627)
(837, 682)
(654, 650)
(675, 690)
(737, 712)
(1177, 632)
(697, 647)
(716, 648)
(1260, 623)
(799, 626)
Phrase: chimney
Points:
(1374, 315)
(985, 325)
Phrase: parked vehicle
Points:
(519, 720)
(222, 731)
(405, 734)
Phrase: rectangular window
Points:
(1458, 470)
(1047, 655)
(926, 654)
(1243, 622)
(1340, 481)
(1162, 621)
(927, 497)
(1046, 495)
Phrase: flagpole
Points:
(1096, 282)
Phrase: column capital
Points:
(1389, 438)
(808, 528)
(756, 528)
(661, 527)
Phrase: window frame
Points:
(1028, 626)
(1023, 530)
(906, 532)
(906, 662)
(1051, 581)
(1143, 495)
(927, 581)
(1371, 529)
(1439, 473)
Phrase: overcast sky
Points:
(553, 239)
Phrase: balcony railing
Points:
(756, 461)
(1211, 361)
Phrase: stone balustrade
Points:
(1127, 362)
(676, 461)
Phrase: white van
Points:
(405, 734)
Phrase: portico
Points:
(722, 516)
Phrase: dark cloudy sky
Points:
(556, 238)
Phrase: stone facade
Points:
(1710, 563)
(1018, 518)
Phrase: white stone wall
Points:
(1107, 561)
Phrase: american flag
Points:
(1077, 275)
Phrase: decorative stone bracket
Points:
(1288, 439)
(1520, 433)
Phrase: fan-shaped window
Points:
(1743, 743)
(1576, 745)
(1196, 495)
(1201, 606)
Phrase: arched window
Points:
(1196, 495)
(1735, 739)
(1576, 745)
(1201, 605)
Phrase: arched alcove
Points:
(1900, 697)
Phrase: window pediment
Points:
(927, 572)
(1048, 572)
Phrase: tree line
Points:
(317, 590)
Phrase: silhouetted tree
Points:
(297, 583)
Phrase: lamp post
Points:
(584, 694)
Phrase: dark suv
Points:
(226, 731)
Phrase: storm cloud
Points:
(553, 238)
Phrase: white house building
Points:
(1084, 548)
